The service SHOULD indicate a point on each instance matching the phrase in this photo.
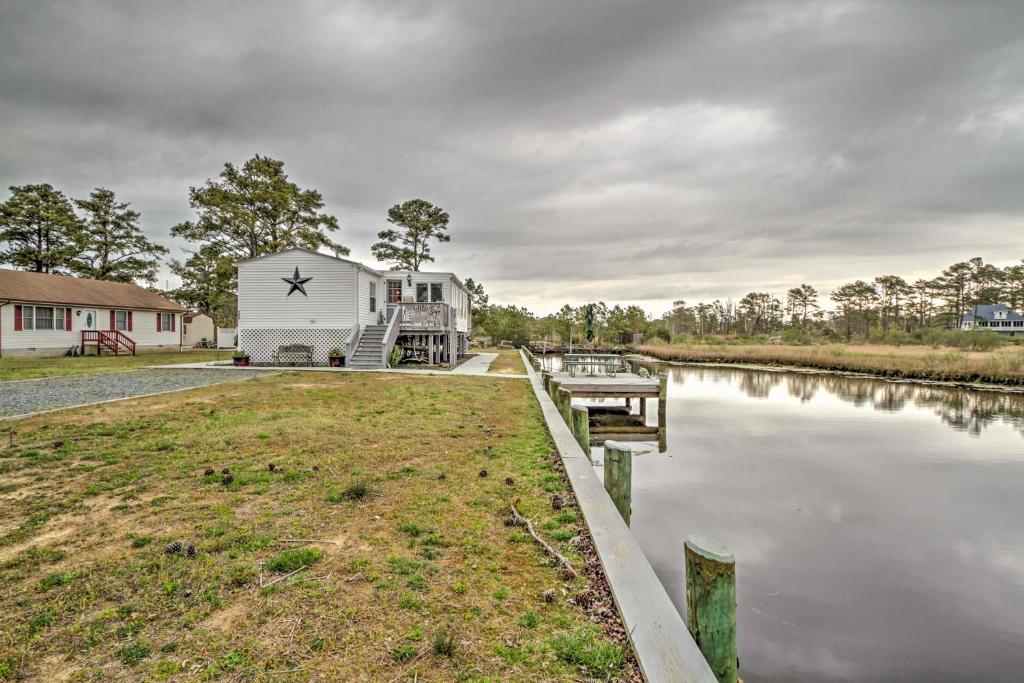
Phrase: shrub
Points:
(133, 653)
(290, 560)
(529, 620)
(54, 580)
(444, 643)
(582, 647)
(357, 490)
(403, 652)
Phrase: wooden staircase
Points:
(113, 340)
(368, 354)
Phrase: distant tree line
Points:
(886, 304)
(888, 309)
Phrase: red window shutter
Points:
(158, 319)
(17, 319)
(67, 319)
(129, 321)
(172, 321)
(112, 320)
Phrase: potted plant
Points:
(335, 357)
(240, 358)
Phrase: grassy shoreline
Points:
(126, 552)
(1004, 367)
(17, 368)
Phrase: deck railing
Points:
(391, 334)
(427, 316)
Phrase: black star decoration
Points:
(297, 281)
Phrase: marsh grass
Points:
(93, 595)
(1002, 366)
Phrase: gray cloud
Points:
(630, 152)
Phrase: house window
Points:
(121, 321)
(166, 322)
(42, 318)
(429, 292)
(394, 291)
(373, 297)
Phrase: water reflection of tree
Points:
(962, 409)
(760, 384)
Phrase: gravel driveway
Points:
(32, 395)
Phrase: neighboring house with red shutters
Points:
(46, 315)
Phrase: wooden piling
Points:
(662, 412)
(581, 427)
(553, 386)
(545, 377)
(564, 403)
(711, 605)
(618, 476)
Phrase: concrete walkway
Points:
(477, 365)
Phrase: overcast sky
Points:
(622, 151)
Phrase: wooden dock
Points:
(613, 422)
(665, 649)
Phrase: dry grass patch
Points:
(508, 362)
(1004, 366)
(337, 528)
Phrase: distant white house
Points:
(302, 297)
(994, 318)
(49, 315)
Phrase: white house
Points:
(994, 318)
(308, 299)
(49, 315)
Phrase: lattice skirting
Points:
(261, 344)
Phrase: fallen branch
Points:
(566, 566)
(282, 578)
(307, 540)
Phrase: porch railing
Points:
(435, 315)
(391, 334)
(112, 340)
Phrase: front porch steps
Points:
(368, 353)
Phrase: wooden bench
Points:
(294, 354)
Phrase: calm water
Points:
(878, 527)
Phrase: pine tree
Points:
(409, 248)
(111, 246)
(39, 229)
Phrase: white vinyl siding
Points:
(366, 278)
(58, 340)
(329, 303)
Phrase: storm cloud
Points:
(628, 152)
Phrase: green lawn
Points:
(31, 368)
(127, 554)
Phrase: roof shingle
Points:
(44, 288)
